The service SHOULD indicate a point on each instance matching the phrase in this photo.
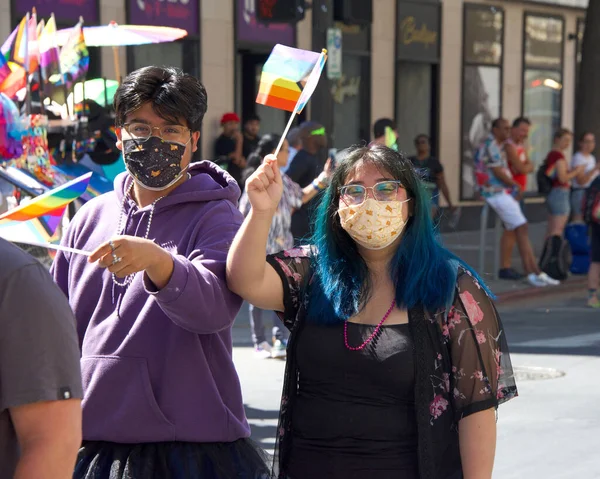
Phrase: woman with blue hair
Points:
(397, 358)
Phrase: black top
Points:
(224, 146)
(461, 358)
(303, 169)
(428, 169)
(249, 145)
(355, 410)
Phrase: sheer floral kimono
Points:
(462, 365)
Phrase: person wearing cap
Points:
(228, 147)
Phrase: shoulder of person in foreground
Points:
(39, 360)
(482, 374)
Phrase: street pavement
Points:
(551, 431)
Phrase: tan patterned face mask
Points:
(373, 224)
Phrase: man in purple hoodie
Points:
(154, 315)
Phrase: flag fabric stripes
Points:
(285, 75)
(313, 81)
(49, 51)
(4, 69)
(18, 52)
(33, 52)
(51, 203)
(74, 58)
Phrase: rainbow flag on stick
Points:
(285, 76)
(51, 203)
(288, 80)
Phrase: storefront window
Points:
(413, 102)
(482, 84)
(417, 57)
(580, 30)
(542, 84)
(351, 93)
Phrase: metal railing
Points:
(483, 233)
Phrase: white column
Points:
(383, 62)
(113, 10)
(218, 66)
(5, 26)
(450, 93)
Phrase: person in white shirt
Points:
(587, 144)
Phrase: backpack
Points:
(577, 235)
(544, 182)
(556, 258)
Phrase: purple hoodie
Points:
(157, 365)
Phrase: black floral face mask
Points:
(154, 163)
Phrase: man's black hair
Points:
(253, 117)
(420, 136)
(380, 126)
(520, 120)
(496, 123)
(172, 93)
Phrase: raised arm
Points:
(562, 171)
(248, 273)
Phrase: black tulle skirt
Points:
(241, 459)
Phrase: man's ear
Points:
(195, 139)
(119, 138)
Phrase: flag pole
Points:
(27, 81)
(287, 128)
(57, 247)
(301, 100)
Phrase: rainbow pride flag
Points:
(15, 78)
(289, 75)
(74, 58)
(51, 203)
(18, 50)
(38, 230)
(49, 51)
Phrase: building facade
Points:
(441, 67)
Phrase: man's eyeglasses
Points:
(142, 132)
(354, 195)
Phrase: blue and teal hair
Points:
(423, 271)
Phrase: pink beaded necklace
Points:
(370, 338)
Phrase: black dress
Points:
(354, 416)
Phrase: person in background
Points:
(397, 358)
(308, 163)
(40, 377)
(497, 186)
(294, 139)
(584, 156)
(431, 171)
(561, 173)
(251, 135)
(379, 128)
(154, 314)
(280, 236)
(520, 166)
(591, 216)
(229, 147)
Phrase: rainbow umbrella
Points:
(115, 35)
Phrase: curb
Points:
(572, 286)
